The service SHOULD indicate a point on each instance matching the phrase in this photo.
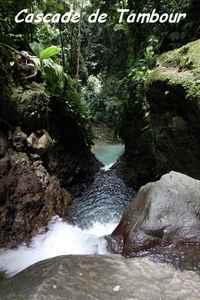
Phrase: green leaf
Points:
(49, 52)
(53, 74)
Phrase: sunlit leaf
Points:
(49, 52)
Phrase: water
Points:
(91, 217)
(107, 197)
(95, 215)
(108, 154)
(60, 239)
(105, 201)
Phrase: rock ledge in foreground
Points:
(101, 278)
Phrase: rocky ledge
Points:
(91, 277)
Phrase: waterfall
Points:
(60, 239)
(94, 215)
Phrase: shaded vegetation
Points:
(90, 72)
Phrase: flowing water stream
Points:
(93, 216)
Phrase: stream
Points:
(91, 217)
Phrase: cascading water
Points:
(60, 239)
(93, 215)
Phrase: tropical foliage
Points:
(72, 60)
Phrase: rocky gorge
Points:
(47, 169)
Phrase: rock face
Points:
(100, 278)
(26, 103)
(163, 135)
(29, 196)
(163, 213)
(44, 152)
(53, 133)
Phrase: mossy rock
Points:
(188, 53)
(31, 104)
(179, 67)
(26, 106)
(172, 92)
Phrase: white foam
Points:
(60, 239)
(106, 168)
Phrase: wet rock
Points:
(29, 198)
(30, 192)
(49, 119)
(100, 278)
(46, 119)
(163, 213)
(31, 184)
(74, 169)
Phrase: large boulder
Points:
(29, 196)
(163, 214)
(101, 278)
(162, 129)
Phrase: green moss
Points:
(189, 82)
(187, 56)
(30, 99)
(193, 90)
(30, 104)
(172, 94)
(179, 68)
